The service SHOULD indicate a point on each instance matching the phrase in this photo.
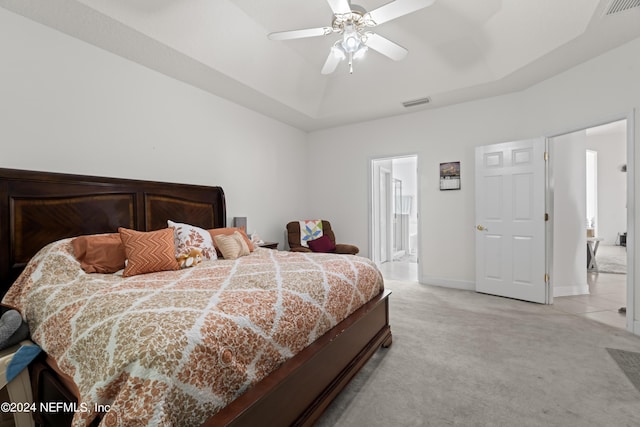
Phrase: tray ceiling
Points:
(459, 50)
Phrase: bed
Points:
(39, 208)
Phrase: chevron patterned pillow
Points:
(148, 252)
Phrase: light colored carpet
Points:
(460, 358)
(612, 259)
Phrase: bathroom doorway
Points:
(394, 216)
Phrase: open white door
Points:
(510, 220)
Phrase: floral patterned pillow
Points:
(188, 237)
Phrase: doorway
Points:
(394, 216)
(595, 287)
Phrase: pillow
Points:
(148, 252)
(189, 237)
(99, 253)
(322, 244)
(232, 246)
(228, 232)
(244, 248)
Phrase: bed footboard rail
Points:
(304, 386)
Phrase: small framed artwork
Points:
(450, 176)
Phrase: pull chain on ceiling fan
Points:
(352, 22)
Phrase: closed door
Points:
(510, 220)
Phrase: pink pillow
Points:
(322, 244)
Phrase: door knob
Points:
(481, 228)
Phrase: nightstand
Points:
(19, 388)
(269, 245)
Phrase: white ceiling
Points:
(459, 50)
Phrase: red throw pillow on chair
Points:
(322, 244)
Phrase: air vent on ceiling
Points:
(622, 5)
(415, 102)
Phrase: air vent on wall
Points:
(415, 102)
(622, 5)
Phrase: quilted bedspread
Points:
(173, 348)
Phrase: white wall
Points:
(597, 91)
(612, 183)
(568, 163)
(66, 106)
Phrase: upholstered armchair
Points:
(295, 245)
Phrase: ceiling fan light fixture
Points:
(337, 52)
(351, 43)
(360, 52)
(351, 40)
(352, 22)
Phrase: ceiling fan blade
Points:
(396, 9)
(386, 47)
(339, 7)
(331, 63)
(300, 34)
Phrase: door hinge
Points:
(546, 217)
(546, 156)
(546, 278)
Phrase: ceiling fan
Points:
(353, 22)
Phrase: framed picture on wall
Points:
(450, 176)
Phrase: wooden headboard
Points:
(37, 208)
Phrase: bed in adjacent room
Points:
(265, 337)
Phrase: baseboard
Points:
(558, 291)
(565, 291)
(448, 283)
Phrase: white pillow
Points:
(187, 237)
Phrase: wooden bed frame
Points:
(37, 208)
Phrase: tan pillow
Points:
(228, 231)
(244, 248)
(99, 253)
(148, 252)
(232, 246)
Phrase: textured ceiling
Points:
(459, 50)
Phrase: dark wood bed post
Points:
(37, 208)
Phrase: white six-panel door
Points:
(510, 220)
